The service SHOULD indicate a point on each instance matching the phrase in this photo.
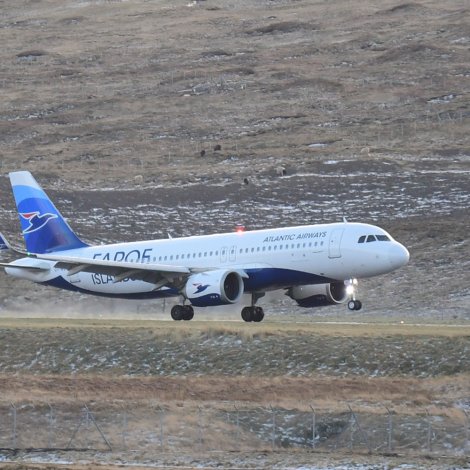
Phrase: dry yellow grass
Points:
(267, 328)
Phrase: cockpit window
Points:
(373, 238)
(382, 238)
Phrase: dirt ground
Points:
(143, 118)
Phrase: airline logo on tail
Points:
(36, 220)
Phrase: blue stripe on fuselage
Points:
(277, 278)
(259, 280)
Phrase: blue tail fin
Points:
(44, 228)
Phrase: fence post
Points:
(364, 435)
(161, 414)
(390, 430)
(238, 422)
(429, 436)
(273, 436)
(124, 430)
(201, 438)
(90, 416)
(13, 407)
(314, 426)
(51, 426)
(351, 430)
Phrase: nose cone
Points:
(398, 255)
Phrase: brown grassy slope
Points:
(142, 87)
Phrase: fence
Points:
(230, 427)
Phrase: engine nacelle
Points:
(212, 288)
(319, 295)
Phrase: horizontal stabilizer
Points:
(25, 267)
(6, 245)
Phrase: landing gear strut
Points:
(182, 312)
(353, 303)
(253, 313)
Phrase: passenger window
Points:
(362, 239)
(370, 238)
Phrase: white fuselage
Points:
(272, 259)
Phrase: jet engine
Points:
(213, 288)
(319, 295)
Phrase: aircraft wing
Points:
(158, 274)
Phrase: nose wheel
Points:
(353, 303)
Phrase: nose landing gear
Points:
(353, 303)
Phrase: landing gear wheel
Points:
(258, 314)
(247, 314)
(177, 312)
(255, 314)
(188, 312)
(354, 305)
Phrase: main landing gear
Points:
(253, 313)
(182, 312)
(353, 303)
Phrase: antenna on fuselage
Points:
(344, 220)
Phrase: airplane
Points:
(316, 265)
